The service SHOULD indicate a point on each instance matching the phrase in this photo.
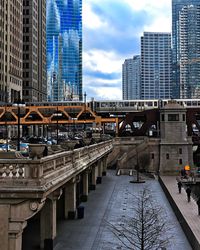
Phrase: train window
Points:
(188, 103)
(155, 104)
(126, 104)
(198, 103)
(132, 104)
(194, 103)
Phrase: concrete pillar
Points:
(4, 225)
(85, 186)
(48, 224)
(15, 235)
(104, 162)
(13, 220)
(99, 170)
(70, 199)
(94, 177)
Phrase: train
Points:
(118, 105)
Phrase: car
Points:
(24, 149)
(6, 147)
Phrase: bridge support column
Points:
(48, 221)
(94, 177)
(100, 170)
(85, 186)
(70, 199)
(13, 220)
(104, 161)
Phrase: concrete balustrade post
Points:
(70, 199)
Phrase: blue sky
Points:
(111, 33)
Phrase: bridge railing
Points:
(51, 170)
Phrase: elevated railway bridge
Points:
(129, 117)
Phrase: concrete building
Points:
(64, 49)
(155, 65)
(186, 48)
(131, 78)
(10, 49)
(34, 51)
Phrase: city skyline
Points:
(108, 40)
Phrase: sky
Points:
(111, 34)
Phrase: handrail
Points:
(48, 172)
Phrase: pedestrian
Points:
(188, 191)
(179, 186)
(198, 204)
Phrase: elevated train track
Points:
(99, 112)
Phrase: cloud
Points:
(111, 34)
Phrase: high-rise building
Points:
(186, 48)
(10, 49)
(34, 50)
(131, 78)
(64, 49)
(156, 65)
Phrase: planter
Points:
(36, 150)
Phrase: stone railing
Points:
(48, 172)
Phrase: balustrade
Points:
(51, 170)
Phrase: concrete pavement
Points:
(112, 201)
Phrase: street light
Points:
(19, 104)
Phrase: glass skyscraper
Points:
(64, 49)
(186, 48)
(156, 65)
(131, 78)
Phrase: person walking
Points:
(179, 186)
(188, 191)
(198, 204)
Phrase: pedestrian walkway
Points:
(112, 201)
(189, 210)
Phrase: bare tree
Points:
(147, 229)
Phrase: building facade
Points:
(10, 49)
(34, 51)
(186, 48)
(64, 49)
(156, 76)
(131, 78)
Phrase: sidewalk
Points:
(187, 210)
(112, 201)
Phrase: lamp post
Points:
(19, 104)
(84, 111)
(57, 115)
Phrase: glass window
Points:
(173, 117)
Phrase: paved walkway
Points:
(189, 210)
(112, 201)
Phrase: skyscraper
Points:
(34, 51)
(131, 78)
(186, 48)
(155, 65)
(64, 49)
(10, 49)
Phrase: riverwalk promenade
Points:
(112, 201)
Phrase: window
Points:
(173, 117)
(152, 156)
(180, 161)
(180, 151)
(183, 117)
(167, 156)
(163, 117)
